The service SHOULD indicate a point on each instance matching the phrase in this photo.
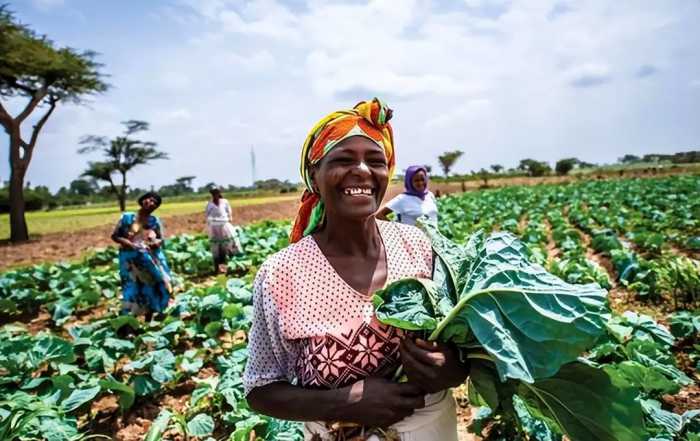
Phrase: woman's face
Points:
(352, 178)
(149, 204)
(419, 181)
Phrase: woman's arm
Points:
(117, 237)
(374, 402)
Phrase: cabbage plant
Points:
(522, 330)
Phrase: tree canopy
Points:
(534, 168)
(31, 66)
(31, 63)
(121, 155)
(564, 166)
(448, 159)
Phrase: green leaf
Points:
(670, 423)
(125, 320)
(8, 306)
(119, 345)
(58, 429)
(51, 349)
(684, 324)
(537, 429)
(649, 380)
(127, 395)
(213, 329)
(587, 404)
(144, 385)
(528, 320)
(162, 374)
(405, 304)
(485, 381)
(79, 397)
(646, 327)
(160, 425)
(200, 425)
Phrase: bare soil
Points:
(62, 246)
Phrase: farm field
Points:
(76, 219)
(70, 366)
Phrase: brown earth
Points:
(62, 246)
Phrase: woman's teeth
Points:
(353, 191)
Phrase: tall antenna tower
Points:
(252, 165)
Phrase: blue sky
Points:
(497, 79)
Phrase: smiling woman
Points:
(317, 352)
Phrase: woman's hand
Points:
(432, 366)
(376, 402)
(127, 244)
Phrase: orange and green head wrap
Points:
(369, 119)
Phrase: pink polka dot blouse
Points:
(310, 328)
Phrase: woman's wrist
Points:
(334, 403)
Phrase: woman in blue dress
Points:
(143, 268)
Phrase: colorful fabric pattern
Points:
(312, 328)
(145, 274)
(369, 119)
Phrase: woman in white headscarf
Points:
(223, 239)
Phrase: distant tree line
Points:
(676, 158)
(88, 191)
(536, 168)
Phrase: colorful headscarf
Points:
(369, 119)
(408, 181)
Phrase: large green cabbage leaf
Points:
(488, 294)
(523, 330)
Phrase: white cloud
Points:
(502, 80)
(47, 5)
(171, 116)
(588, 75)
(468, 112)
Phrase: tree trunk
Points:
(18, 224)
(122, 193)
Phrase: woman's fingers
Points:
(433, 356)
(416, 370)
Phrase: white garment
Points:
(437, 421)
(218, 213)
(408, 208)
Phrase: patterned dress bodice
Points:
(312, 328)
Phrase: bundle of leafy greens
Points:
(522, 330)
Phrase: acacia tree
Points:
(564, 166)
(121, 155)
(32, 67)
(185, 183)
(448, 159)
(496, 168)
(534, 168)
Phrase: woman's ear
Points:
(312, 175)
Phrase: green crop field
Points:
(76, 219)
(67, 370)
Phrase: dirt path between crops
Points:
(68, 246)
(72, 245)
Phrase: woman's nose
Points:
(362, 166)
